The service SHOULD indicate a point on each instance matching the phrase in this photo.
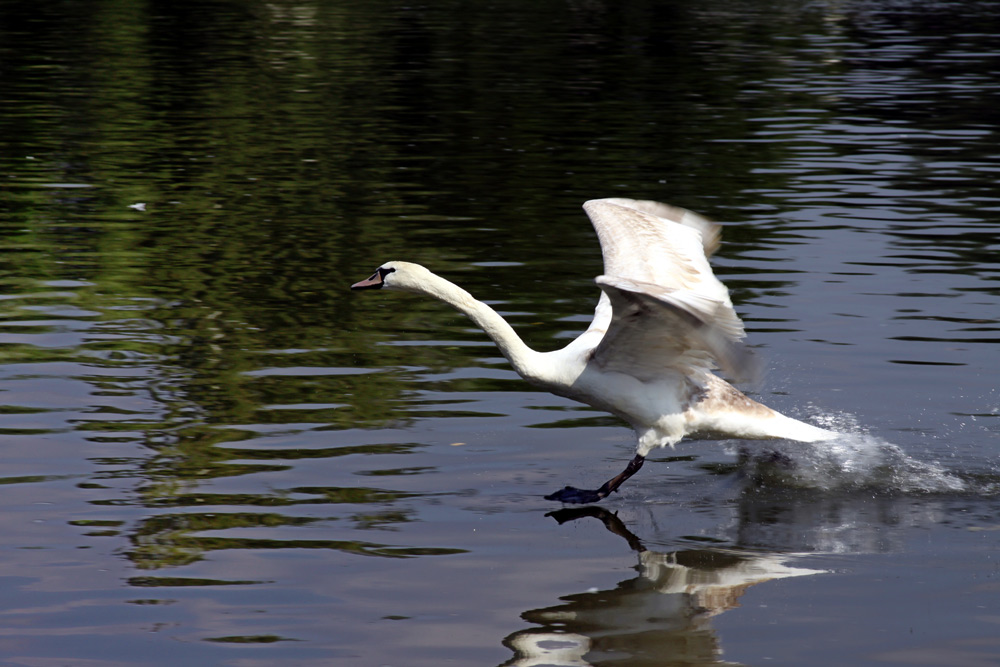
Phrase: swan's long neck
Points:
(525, 361)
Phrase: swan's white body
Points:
(662, 323)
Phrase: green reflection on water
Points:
(189, 192)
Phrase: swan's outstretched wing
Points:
(658, 244)
(711, 233)
(668, 310)
(653, 329)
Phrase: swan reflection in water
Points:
(666, 610)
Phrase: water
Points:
(214, 453)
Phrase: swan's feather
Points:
(669, 311)
(711, 233)
(654, 329)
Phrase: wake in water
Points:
(853, 461)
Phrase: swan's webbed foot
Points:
(571, 494)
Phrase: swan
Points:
(662, 323)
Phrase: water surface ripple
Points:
(214, 453)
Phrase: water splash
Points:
(853, 461)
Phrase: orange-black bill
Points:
(374, 281)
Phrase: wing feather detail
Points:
(668, 310)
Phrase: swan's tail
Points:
(726, 411)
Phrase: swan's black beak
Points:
(375, 281)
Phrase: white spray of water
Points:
(853, 461)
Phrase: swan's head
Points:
(397, 276)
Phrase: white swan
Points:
(663, 321)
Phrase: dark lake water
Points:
(214, 453)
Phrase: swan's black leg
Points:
(571, 494)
